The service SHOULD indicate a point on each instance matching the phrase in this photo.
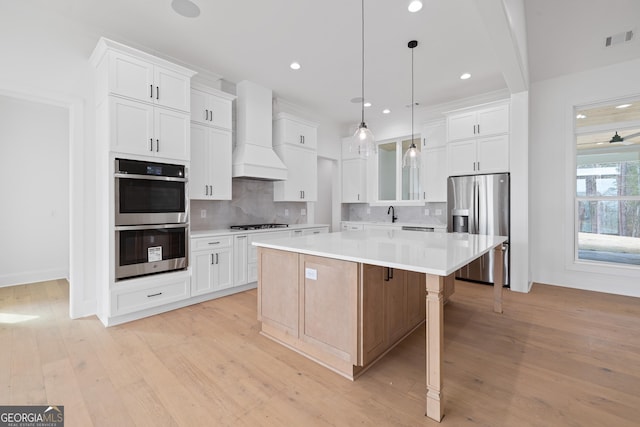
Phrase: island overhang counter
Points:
(345, 299)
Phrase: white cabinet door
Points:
(223, 269)
(240, 260)
(435, 174)
(493, 154)
(202, 280)
(302, 177)
(143, 81)
(461, 157)
(131, 126)
(172, 89)
(493, 121)
(212, 110)
(171, 134)
(461, 126)
(482, 122)
(199, 171)
(295, 132)
(210, 177)
(131, 77)
(220, 164)
(354, 181)
(212, 271)
(434, 135)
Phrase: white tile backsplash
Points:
(252, 203)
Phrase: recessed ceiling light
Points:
(624, 106)
(367, 104)
(465, 76)
(415, 5)
(386, 111)
(581, 116)
(295, 65)
(186, 8)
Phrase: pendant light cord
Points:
(362, 80)
(412, 102)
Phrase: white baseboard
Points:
(32, 277)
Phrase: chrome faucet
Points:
(393, 213)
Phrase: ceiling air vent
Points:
(623, 37)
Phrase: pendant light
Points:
(363, 141)
(411, 158)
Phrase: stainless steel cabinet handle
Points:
(150, 144)
(210, 115)
(206, 190)
(157, 145)
(157, 92)
(214, 243)
(478, 129)
(211, 190)
(211, 259)
(151, 91)
(478, 165)
(154, 295)
(217, 261)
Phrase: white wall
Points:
(45, 58)
(552, 177)
(34, 183)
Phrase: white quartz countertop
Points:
(433, 253)
(228, 231)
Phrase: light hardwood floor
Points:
(556, 357)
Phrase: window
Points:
(608, 182)
(395, 182)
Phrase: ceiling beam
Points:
(505, 24)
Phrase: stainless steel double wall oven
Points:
(151, 218)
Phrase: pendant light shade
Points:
(363, 141)
(411, 158)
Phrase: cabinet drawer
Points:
(128, 300)
(208, 243)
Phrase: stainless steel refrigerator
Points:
(479, 204)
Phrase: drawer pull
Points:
(214, 243)
(154, 295)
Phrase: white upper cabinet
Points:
(478, 140)
(143, 80)
(138, 128)
(210, 173)
(143, 101)
(288, 129)
(354, 181)
(211, 107)
(434, 161)
(295, 142)
(482, 122)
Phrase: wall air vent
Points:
(623, 37)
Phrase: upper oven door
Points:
(142, 199)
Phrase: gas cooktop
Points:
(257, 226)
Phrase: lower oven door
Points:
(150, 249)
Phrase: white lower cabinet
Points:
(212, 264)
(240, 260)
(129, 296)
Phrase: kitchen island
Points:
(345, 299)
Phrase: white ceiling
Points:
(257, 39)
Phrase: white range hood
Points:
(253, 156)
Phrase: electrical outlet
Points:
(286, 212)
(426, 211)
(438, 211)
(203, 213)
(303, 212)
